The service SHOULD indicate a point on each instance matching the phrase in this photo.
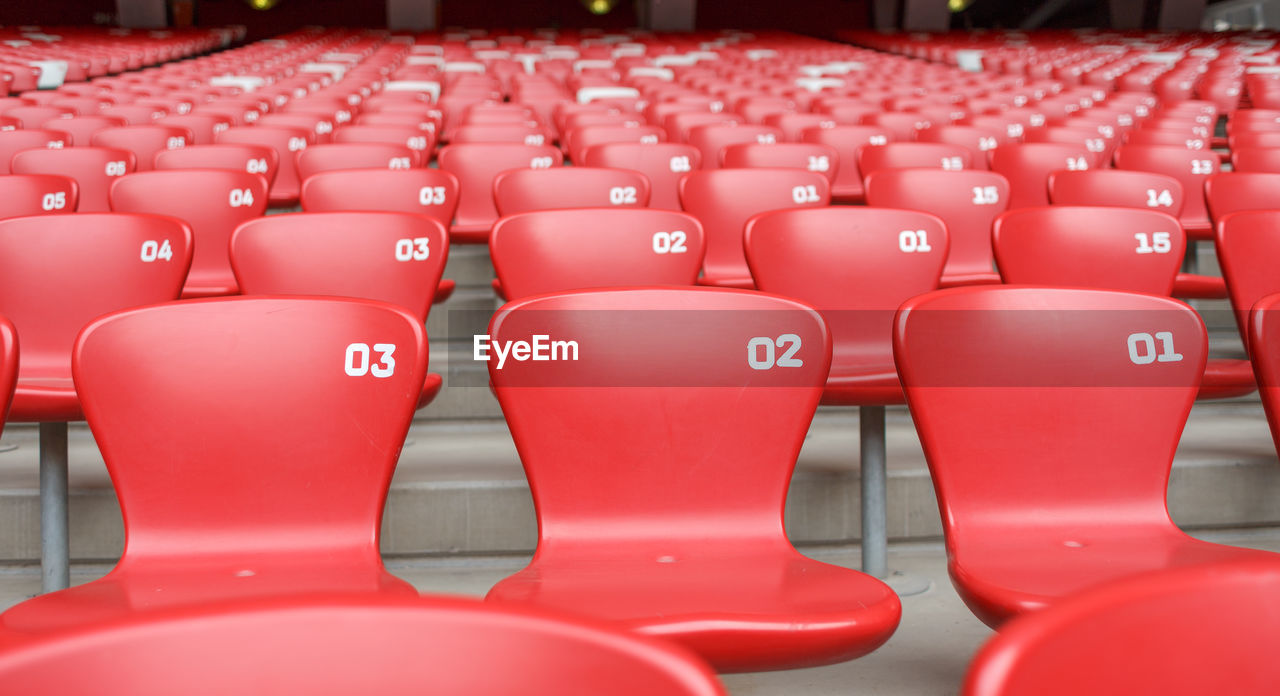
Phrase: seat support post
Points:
(55, 556)
(875, 561)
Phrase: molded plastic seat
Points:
(967, 201)
(476, 165)
(1027, 167)
(212, 201)
(1204, 629)
(37, 194)
(723, 201)
(82, 128)
(1086, 393)
(15, 141)
(1263, 335)
(429, 192)
(1191, 167)
(1256, 159)
(662, 163)
(1249, 251)
(143, 141)
(386, 645)
(695, 554)
(93, 168)
(285, 140)
(376, 255)
(337, 156)
(912, 155)
(411, 137)
(239, 157)
(813, 157)
(557, 250)
(526, 190)
(846, 187)
(1098, 247)
(711, 139)
(1229, 192)
(588, 136)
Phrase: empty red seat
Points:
(1256, 159)
(711, 139)
(93, 168)
(723, 200)
(1027, 167)
(653, 531)
(558, 250)
(1190, 167)
(1230, 192)
(1248, 250)
(37, 194)
(212, 201)
(82, 128)
(967, 201)
(143, 141)
(429, 192)
(475, 165)
(286, 141)
(1086, 393)
(912, 155)
(15, 141)
(582, 138)
(978, 141)
(812, 157)
(415, 139)
(254, 159)
(1203, 629)
(335, 156)
(846, 187)
(526, 190)
(664, 164)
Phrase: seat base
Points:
(1225, 378)
(955, 280)
(444, 291)
(470, 232)
(1199, 287)
(725, 281)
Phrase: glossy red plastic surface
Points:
(59, 272)
(813, 157)
(967, 201)
(143, 141)
(847, 185)
(663, 163)
(1027, 167)
(1048, 442)
(1229, 192)
(872, 158)
(723, 201)
(856, 266)
(429, 192)
(1264, 337)
(233, 495)
(239, 157)
(1186, 632)
(337, 645)
(1256, 159)
(8, 366)
(1249, 253)
(527, 190)
(712, 139)
(1191, 167)
(475, 165)
(285, 140)
(631, 533)
(212, 201)
(93, 168)
(558, 250)
(336, 156)
(15, 141)
(37, 194)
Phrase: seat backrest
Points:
(37, 194)
(239, 157)
(387, 645)
(724, 199)
(967, 201)
(1263, 333)
(846, 139)
(1027, 167)
(1191, 167)
(376, 255)
(1117, 188)
(1256, 159)
(1229, 192)
(430, 192)
(527, 190)
(1203, 629)
(476, 164)
(15, 141)
(335, 156)
(1089, 138)
(93, 168)
(82, 128)
(411, 137)
(712, 138)
(813, 157)
(144, 141)
(212, 201)
(286, 141)
(1248, 252)
(1048, 408)
(978, 141)
(58, 272)
(729, 379)
(1089, 247)
(855, 265)
(583, 137)
(558, 250)
(912, 155)
(236, 390)
(662, 163)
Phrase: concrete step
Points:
(459, 488)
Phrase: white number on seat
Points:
(878, 140)
(152, 250)
(766, 138)
(952, 164)
(766, 362)
(1163, 199)
(55, 144)
(431, 195)
(296, 144)
(240, 198)
(1158, 244)
(986, 142)
(417, 142)
(1095, 144)
(622, 195)
(1194, 144)
(256, 166)
(540, 163)
(680, 164)
(1077, 164)
(669, 242)
(398, 163)
(323, 127)
(534, 139)
(911, 241)
(415, 249)
(54, 201)
(819, 163)
(1142, 348)
(649, 139)
(176, 143)
(357, 360)
(985, 195)
(1201, 167)
(116, 168)
(805, 194)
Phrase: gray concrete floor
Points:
(926, 657)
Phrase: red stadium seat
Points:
(336, 156)
(713, 138)
(653, 530)
(1203, 629)
(723, 201)
(967, 201)
(557, 250)
(662, 163)
(204, 127)
(1086, 392)
(93, 168)
(82, 128)
(1249, 251)
(1027, 167)
(286, 141)
(143, 141)
(238, 157)
(104, 262)
(1230, 192)
(212, 201)
(526, 190)
(1256, 159)
(585, 137)
(812, 157)
(475, 165)
(846, 187)
(36, 194)
(15, 141)
(912, 155)
(1191, 167)
(386, 645)
(429, 192)
(978, 141)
